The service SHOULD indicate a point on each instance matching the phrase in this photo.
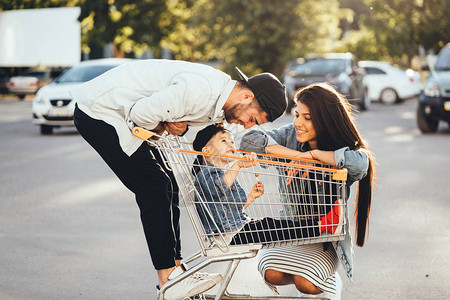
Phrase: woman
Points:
(324, 130)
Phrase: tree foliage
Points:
(256, 35)
(29, 4)
(395, 25)
(434, 30)
(126, 24)
(400, 27)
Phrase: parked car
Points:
(338, 69)
(434, 100)
(389, 84)
(29, 83)
(53, 106)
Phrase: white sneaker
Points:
(193, 285)
(217, 277)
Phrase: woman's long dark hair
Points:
(332, 118)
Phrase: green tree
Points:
(256, 35)
(128, 25)
(434, 29)
(24, 4)
(400, 27)
(395, 24)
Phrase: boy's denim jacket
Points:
(226, 204)
(355, 161)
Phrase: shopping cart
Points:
(296, 192)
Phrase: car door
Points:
(376, 80)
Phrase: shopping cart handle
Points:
(142, 133)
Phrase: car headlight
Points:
(431, 89)
(38, 99)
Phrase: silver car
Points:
(29, 83)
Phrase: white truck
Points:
(40, 39)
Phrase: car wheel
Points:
(365, 101)
(21, 97)
(46, 129)
(426, 125)
(388, 96)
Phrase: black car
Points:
(338, 69)
(434, 101)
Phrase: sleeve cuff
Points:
(339, 157)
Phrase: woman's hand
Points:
(293, 171)
(250, 160)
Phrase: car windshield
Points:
(321, 66)
(83, 73)
(443, 62)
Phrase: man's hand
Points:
(175, 128)
(159, 130)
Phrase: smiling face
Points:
(221, 143)
(246, 114)
(306, 133)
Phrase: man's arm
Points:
(172, 103)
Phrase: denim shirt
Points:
(355, 161)
(226, 204)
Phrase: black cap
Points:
(270, 93)
(203, 136)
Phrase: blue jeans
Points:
(154, 186)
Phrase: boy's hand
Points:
(258, 190)
(175, 128)
(250, 160)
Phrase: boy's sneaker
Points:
(333, 221)
(193, 285)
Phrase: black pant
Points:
(271, 230)
(144, 174)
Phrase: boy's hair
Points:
(201, 139)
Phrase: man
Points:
(162, 95)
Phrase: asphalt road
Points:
(70, 230)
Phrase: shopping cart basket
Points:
(297, 192)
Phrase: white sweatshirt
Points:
(147, 92)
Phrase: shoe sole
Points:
(199, 289)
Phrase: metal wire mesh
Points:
(297, 194)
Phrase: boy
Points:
(226, 200)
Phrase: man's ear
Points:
(248, 95)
